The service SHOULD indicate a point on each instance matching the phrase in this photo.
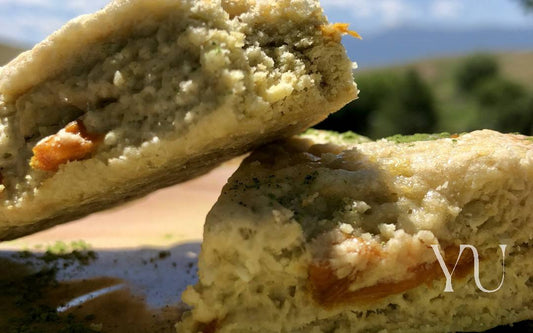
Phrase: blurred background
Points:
(438, 66)
(424, 65)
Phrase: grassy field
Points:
(439, 71)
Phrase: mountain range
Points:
(408, 44)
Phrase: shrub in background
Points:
(409, 109)
(475, 70)
(504, 106)
(355, 116)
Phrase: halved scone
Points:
(147, 93)
(326, 234)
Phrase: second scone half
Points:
(148, 93)
(325, 234)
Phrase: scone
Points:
(324, 234)
(148, 93)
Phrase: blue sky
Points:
(28, 21)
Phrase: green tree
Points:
(409, 109)
(375, 88)
(505, 106)
(527, 4)
(475, 70)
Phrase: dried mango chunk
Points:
(71, 143)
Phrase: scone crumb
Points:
(310, 199)
(118, 79)
(346, 228)
(360, 207)
(2, 186)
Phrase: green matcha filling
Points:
(335, 137)
(398, 138)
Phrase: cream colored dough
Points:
(324, 233)
(147, 93)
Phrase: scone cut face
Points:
(147, 93)
(329, 233)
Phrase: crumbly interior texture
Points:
(160, 86)
(311, 236)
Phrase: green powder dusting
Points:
(417, 137)
(24, 290)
